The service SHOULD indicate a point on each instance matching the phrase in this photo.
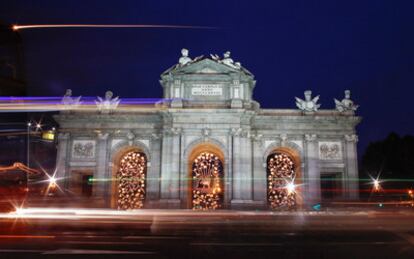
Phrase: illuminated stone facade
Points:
(208, 111)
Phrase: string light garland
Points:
(207, 172)
(131, 181)
(280, 178)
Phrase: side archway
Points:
(284, 178)
(129, 173)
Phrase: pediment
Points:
(203, 66)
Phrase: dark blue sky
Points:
(290, 46)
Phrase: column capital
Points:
(176, 131)
(172, 131)
(310, 137)
(155, 136)
(102, 135)
(351, 138)
(236, 131)
(63, 136)
(130, 135)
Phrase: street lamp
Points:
(52, 182)
(377, 186)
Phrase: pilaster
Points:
(242, 167)
(259, 170)
(101, 162)
(313, 194)
(63, 153)
(154, 170)
(352, 165)
(170, 168)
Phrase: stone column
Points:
(170, 168)
(175, 163)
(242, 168)
(154, 171)
(236, 183)
(352, 166)
(259, 172)
(101, 164)
(63, 154)
(165, 165)
(313, 194)
(228, 184)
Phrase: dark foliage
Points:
(392, 158)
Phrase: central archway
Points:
(206, 169)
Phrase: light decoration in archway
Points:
(207, 173)
(131, 181)
(280, 179)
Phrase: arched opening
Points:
(283, 177)
(206, 169)
(129, 187)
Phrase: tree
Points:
(392, 158)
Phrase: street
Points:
(221, 234)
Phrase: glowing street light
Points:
(52, 182)
(377, 185)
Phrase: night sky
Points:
(290, 46)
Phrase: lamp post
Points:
(28, 144)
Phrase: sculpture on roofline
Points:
(227, 60)
(109, 103)
(346, 104)
(70, 102)
(309, 104)
(184, 59)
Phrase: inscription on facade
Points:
(207, 89)
(83, 149)
(330, 150)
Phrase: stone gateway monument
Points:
(207, 145)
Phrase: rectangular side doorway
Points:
(331, 187)
(82, 183)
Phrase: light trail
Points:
(140, 214)
(52, 104)
(156, 26)
(25, 236)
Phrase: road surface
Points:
(84, 233)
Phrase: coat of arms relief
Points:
(83, 149)
(330, 150)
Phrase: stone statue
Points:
(184, 59)
(227, 60)
(309, 104)
(346, 104)
(109, 103)
(68, 101)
